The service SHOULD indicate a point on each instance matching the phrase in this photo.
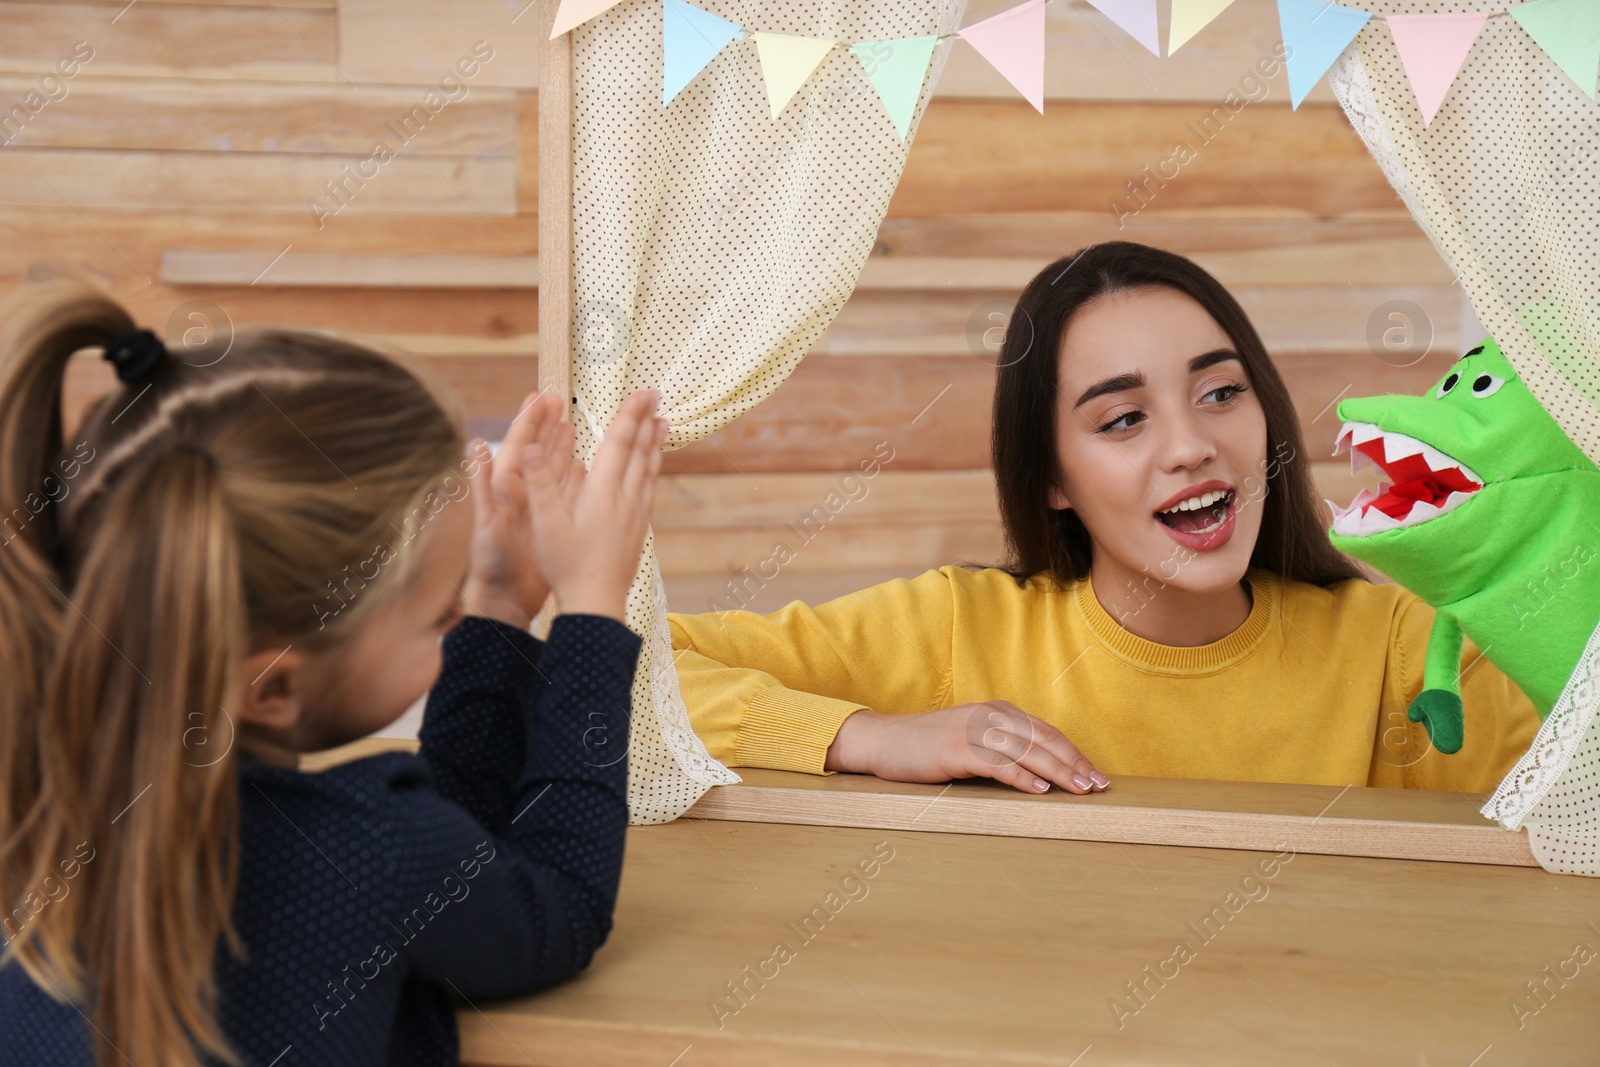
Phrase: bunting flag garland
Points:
(897, 70)
(1433, 48)
(1189, 17)
(1316, 32)
(1569, 33)
(1136, 18)
(787, 62)
(1013, 43)
(690, 39)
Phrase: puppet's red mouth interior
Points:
(1414, 480)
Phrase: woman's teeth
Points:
(1211, 509)
(1204, 500)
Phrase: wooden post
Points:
(555, 227)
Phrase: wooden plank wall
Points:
(212, 160)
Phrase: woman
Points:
(1171, 605)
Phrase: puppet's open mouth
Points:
(1424, 483)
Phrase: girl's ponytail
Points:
(41, 338)
(151, 656)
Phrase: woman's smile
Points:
(1200, 517)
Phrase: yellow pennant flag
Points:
(787, 62)
(1189, 17)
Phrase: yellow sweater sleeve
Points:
(1500, 720)
(772, 690)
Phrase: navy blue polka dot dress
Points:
(379, 896)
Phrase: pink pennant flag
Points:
(1013, 43)
(1433, 48)
(1136, 18)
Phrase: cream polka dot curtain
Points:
(712, 245)
(1506, 182)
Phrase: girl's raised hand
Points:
(588, 532)
(504, 581)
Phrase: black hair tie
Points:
(136, 354)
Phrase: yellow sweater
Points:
(1313, 687)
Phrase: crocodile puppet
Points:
(1492, 517)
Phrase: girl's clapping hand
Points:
(504, 581)
(588, 528)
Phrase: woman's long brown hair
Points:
(1293, 540)
(195, 515)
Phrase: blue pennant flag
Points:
(1316, 32)
(690, 38)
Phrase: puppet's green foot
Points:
(1440, 711)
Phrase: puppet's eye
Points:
(1486, 385)
(1448, 384)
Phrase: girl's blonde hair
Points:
(213, 507)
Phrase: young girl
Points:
(1171, 605)
(237, 560)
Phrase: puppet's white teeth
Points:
(1421, 511)
(1398, 446)
(1347, 520)
(1438, 461)
(1356, 522)
(1375, 521)
(1362, 432)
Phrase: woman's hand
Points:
(504, 581)
(588, 532)
(989, 739)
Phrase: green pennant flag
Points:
(897, 69)
(1569, 32)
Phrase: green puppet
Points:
(1490, 514)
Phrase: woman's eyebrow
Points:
(1210, 359)
(1119, 383)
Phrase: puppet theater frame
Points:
(628, 247)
